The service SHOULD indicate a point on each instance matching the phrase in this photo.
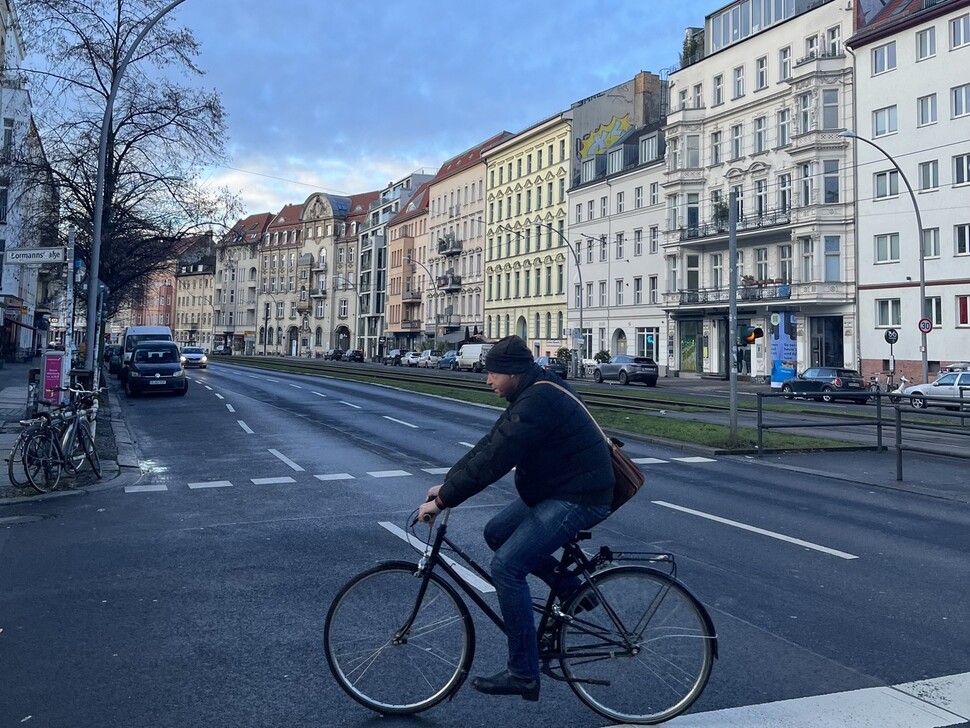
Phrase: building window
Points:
(604, 206)
(961, 239)
(3, 205)
(619, 245)
(960, 31)
(654, 193)
(761, 263)
(648, 148)
(761, 197)
(830, 181)
(619, 202)
(830, 108)
(887, 248)
(739, 82)
(589, 170)
(590, 209)
(933, 308)
(654, 239)
(805, 113)
(637, 291)
(960, 101)
(929, 175)
(761, 73)
(652, 289)
(579, 212)
(784, 63)
(884, 121)
(716, 147)
(784, 127)
(834, 41)
(693, 151)
(673, 151)
(602, 248)
(785, 263)
(638, 241)
(926, 110)
(808, 259)
(931, 243)
(619, 291)
(833, 267)
(603, 302)
(761, 134)
(737, 141)
(888, 312)
(926, 44)
(615, 161)
(885, 184)
(638, 198)
(884, 58)
(718, 91)
(963, 310)
(806, 183)
(717, 271)
(961, 174)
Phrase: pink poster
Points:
(53, 377)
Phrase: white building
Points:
(913, 101)
(756, 110)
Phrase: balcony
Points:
(411, 296)
(721, 296)
(412, 325)
(303, 306)
(448, 245)
(447, 319)
(449, 283)
(320, 267)
(718, 228)
(320, 292)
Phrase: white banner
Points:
(35, 256)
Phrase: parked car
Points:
(109, 351)
(553, 365)
(448, 360)
(222, 351)
(827, 384)
(353, 355)
(946, 391)
(410, 358)
(155, 366)
(333, 354)
(626, 369)
(193, 356)
(116, 362)
(472, 356)
(428, 359)
(393, 357)
(959, 366)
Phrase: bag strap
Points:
(578, 401)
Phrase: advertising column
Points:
(54, 369)
(784, 348)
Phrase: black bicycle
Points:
(633, 643)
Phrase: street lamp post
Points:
(431, 278)
(922, 252)
(93, 280)
(266, 324)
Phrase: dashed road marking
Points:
(694, 459)
(245, 427)
(355, 406)
(296, 386)
(400, 422)
(467, 444)
(286, 460)
(436, 471)
(212, 484)
(320, 394)
(334, 476)
(272, 481)
(388, 473)
(230, 407)
(145, 488)
(468, 576)
(648, 461)
(219, 396)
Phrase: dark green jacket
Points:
(551, 441)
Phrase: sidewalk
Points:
(118, 458)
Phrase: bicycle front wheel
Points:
(644, 653)
(90, 451)
(42, 461)
(388, 661)
(15, 461)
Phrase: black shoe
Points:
(505, 683)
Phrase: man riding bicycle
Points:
(564, 479)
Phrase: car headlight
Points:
(204, 359)
(182, 359)
(134, 372)
(179, 373)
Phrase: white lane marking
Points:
(296, 386)
(467, 444)
(272, 481)
(350, 405)
(270, 379)
(648, 461)
(144, 488)
(245, 427)
(286, 460)
(208, 387)
(320, 394)
(334, 476)
(212, 484)
(436, 471)
(230, 407)
(400, 422)
(388, 473)
(468, 576)
(761, 531)
(695, 459)
(219, 396)
(935, 703)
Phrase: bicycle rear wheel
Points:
(380, 664)
(15, 461)
(42, 460)
(90, 451)
(655, 664)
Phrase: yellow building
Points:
(526, 251)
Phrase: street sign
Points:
(892, 336)
(925, 325)
(34, 256)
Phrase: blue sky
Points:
(345, 97)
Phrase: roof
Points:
(417, 205)
(248, 230)
(895, 16)
(469, 157)
(288, 216)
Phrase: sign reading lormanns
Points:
(34, 255)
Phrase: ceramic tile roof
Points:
(288, 216)
(249, 229)
(468, 158)
(896, 15)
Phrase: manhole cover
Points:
(19, 520)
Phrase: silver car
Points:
(193, 356)
(946, 391)
(626, 369)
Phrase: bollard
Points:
(899, 443)
(760, 426)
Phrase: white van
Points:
(472, 356)
(135, 334)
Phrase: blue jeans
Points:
(524, 540)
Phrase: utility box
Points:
(54, 368)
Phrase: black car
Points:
(109, 351)
(353, 355)
(393, 357)
(553, 365)
(827, 384)
(626, 369)
(155, 366)
(333, 354)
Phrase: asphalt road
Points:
(196, 596)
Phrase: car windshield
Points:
(154, 355)
(847, 373)
(191, 350)
(134, 339)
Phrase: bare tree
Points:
(163, 132)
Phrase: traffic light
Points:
(748, 334)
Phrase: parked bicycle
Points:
(632, 643)
(890, 387)
(57, 440)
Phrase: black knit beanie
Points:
(510, 355)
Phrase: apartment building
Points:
(236, 278)
(756, 113)
(194, 278)
(406, 286)
(279, 251)
(525, 235)
(456, 245)
(371, 263)
(913, 102)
